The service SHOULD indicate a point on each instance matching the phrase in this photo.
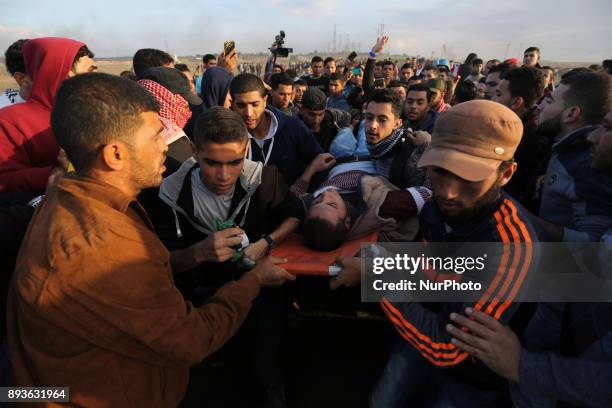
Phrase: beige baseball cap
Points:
(472, 139)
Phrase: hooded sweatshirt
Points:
(215, 86)
(28, 149)
(170, 191)
(259, 203)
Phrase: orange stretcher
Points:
(302, 260)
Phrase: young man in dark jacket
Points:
(519, 90)
(219, 186)
(274, 138)
(470, 160)
(394, 148)
(323, 123)
(574, 203)
(418, 114)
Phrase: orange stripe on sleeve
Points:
(515, 261)
(421, 336)
(526, 262)
(455, 357)
(502, 265)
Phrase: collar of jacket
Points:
(428, 120)
(281, 118)
(96, 190)
(431, 216)
(530, 120)
(578, 136)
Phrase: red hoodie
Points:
(28, 149)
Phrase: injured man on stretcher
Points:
(353, 202)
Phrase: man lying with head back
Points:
(354, 201)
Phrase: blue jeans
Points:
(408, 379)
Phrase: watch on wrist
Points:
(269, 240)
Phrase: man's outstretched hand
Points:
(323, 161)
(269, 273)
(380, 44)
(229, 62)
(350, 275)
(487, 339)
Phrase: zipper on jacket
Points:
(179, 232)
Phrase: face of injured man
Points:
(329, 206)
(327, 222)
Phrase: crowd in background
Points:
(139, 214)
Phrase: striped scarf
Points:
(383, 147)
(173, 108)
(344, 181)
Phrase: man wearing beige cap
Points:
(468, 163)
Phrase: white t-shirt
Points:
(10, 97)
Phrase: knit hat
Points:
(314, 99)
(472, 139)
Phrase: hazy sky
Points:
(564, 30)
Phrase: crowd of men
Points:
(138, 213)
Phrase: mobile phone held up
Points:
(229, 47)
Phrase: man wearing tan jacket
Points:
(93, 305)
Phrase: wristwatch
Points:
(269, 240)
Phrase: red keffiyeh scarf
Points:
(174, 110)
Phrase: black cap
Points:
(314, 99)
(173, 80)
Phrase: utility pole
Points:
(381, 28)
(334, 49)
(507, 49)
